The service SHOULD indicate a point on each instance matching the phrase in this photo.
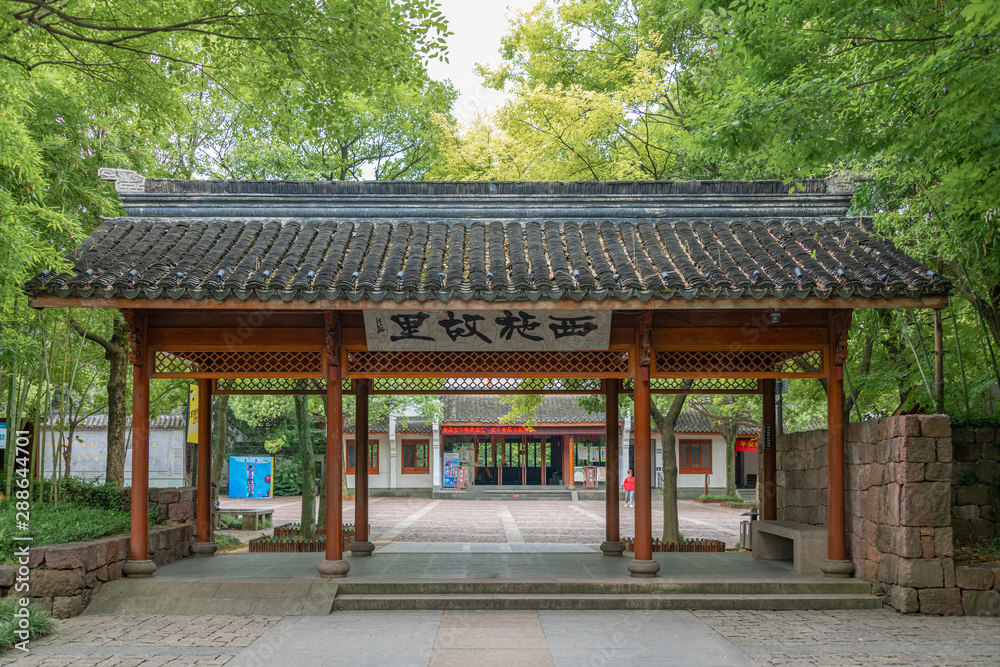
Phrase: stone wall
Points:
(64, 577)
(898, 479)
(802, 477)
(173, 504)
(975, 482)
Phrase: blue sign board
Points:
(249, 476)
(451, 466)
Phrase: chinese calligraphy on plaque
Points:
(487, 331)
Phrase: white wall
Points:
(718, 476)
(381, 480)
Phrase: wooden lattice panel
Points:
(602, 363)
(237, 363)
(273, 386)
(383, 385)
(759, 363)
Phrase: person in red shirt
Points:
(629, 486)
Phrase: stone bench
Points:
(800, 543)
(251, 518)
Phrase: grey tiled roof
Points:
(492, 241)
(554, 410)
(487, 409)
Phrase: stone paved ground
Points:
(633, 638)
(507, 521)
(877, 637)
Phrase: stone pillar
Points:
(394, 453)
(436, 461)
(361, 546)
(612, 545)
(334, 565)
(643, 565)
(138, 564)
(837, 564)
(204, 544)
(768, 469)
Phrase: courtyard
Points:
(399, 524)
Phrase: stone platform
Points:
(287, 584)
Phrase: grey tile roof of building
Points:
(516, 242)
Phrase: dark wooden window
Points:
(696, 456)
(372, 457)
(416, 457)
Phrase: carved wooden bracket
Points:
(137, 322)
(332, 339)
(645, 334)
(840, 327)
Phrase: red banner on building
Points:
(746, 444)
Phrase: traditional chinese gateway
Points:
(311, 287)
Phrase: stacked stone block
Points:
(975, 483)
(898, 478)
(173, 504)
(802, 477)
(65, 577)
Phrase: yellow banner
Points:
(192, 426)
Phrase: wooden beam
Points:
(725, 338)
(477, 304)
(243, 338)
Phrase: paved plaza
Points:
(506, 523)
(443, 530)
(486, 638)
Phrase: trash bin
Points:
(745, 532)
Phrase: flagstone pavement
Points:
(505, 521)
(486, 638)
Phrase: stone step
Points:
(508, 601)
(587, 587)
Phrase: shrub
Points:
(286, 478)
(52, 524)
(718, 496)
(92, 493)
(40, 622)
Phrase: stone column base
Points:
(333, 568)
(643, 568)
(204, 548)
(138, 569)
(612, 548)
(839, 569)
(362, 548)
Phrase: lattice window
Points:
(273, 386)
(451, 364)
(227, 362)
(485, 385)
(723, 362)
(700, 386)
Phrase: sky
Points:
(476, 26)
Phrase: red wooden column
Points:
(643, 565)
(768, 468)
(138, 564)
(612, 545)
(334, 565)
(361, 546)
(204, 544)
(837, 564)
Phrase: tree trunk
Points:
(729, 433)
(221, 437)
(866, 364)
(665, 424)
(308, 530)
(116, 352)
(322, 493)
